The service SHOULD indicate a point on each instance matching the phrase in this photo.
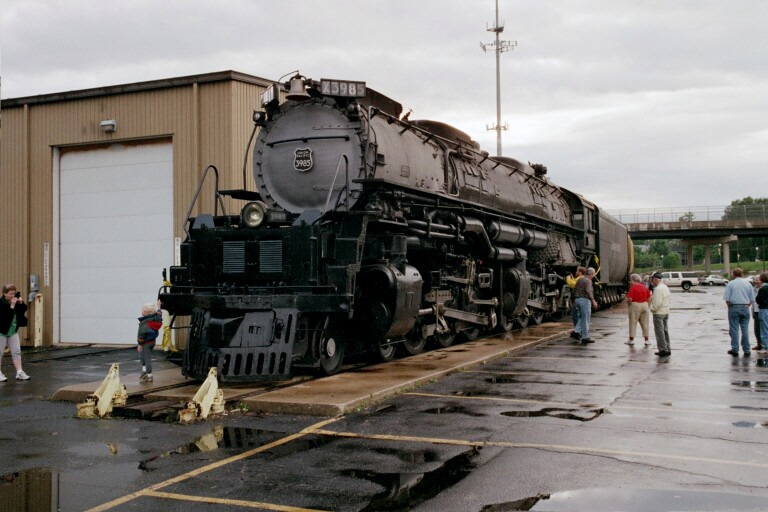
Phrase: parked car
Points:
(713, 279)
(682, 279)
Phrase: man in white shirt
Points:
(659, 305)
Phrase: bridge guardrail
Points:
(753, 213)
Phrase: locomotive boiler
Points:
(369, 234)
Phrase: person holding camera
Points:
(12, 310)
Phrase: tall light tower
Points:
(499, 47)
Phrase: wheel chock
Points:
(208, 399)
(108, 394)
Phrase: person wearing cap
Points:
(659, 305)
(584, 300)
(738, 297)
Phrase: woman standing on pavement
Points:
(12, 309)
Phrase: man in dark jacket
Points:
(762, 304)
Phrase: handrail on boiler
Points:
(217, 196)
(346, 182)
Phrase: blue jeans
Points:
(738, 320)
(584, 306)
(763, 315)
(575, 316)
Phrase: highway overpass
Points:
(697, 225)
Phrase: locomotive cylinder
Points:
(516, 235)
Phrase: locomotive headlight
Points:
(253, 214)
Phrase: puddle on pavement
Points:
(453, 409)
(631, 500)
(410, 456)
(750, 424)
(749, 408)
(502, 380)
(403, 491)
(40, 487)
(555, 412)
(237, 438)
(755, 385)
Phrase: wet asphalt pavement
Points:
(559, 427)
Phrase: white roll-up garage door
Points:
(115, 236)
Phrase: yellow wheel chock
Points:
(109, 393)
(208, 399)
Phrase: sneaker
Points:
(733, 353)
(3, 378)
(143, 376)
(146, 377)
(747, 354)
(587, 340)
(575, 335)
(647, 343)
(22, 376)
(630, 343)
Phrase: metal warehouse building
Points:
(95, 185)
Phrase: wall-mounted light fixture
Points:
(108, 125)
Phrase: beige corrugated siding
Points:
(207, 118)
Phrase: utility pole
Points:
(499, 47)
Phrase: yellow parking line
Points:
(547, 447)
(146, 492)
(760, 414)
(222, 501)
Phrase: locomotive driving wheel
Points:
(414, 341)
(445, 338)
(326, 349)
(386, 350)
(537, 295)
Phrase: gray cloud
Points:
(627, 102)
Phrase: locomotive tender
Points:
(369, 233)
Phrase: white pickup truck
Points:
(684, 279)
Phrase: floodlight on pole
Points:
(498, 47)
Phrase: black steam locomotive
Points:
(370, 233)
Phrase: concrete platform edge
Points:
(272, 402)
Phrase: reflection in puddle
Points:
(225, 438)
(33, 490)
(403, 491)
(749, 408)
(631, 500)
(756, 385)
(453, 409)
(555, 412)
(409, 456)
(750, 424)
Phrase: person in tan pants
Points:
(637, 298)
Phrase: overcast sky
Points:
(631, 103)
